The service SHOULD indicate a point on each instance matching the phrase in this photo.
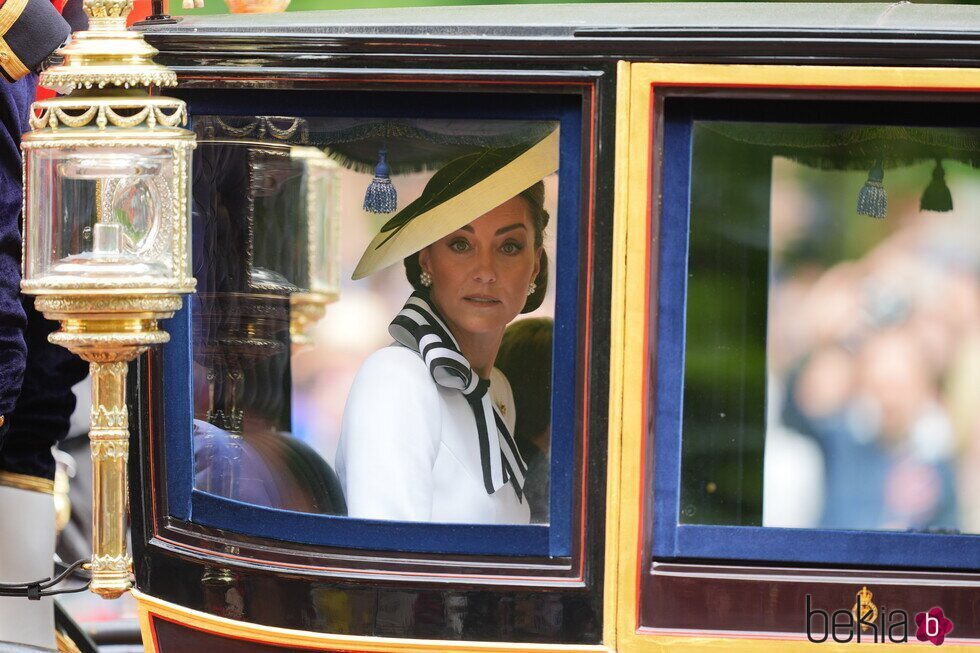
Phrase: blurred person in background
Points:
(913, 441)
(525, 359)
(869, 386)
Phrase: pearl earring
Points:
(531, 288)
(425, 279)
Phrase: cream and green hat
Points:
(460, 192)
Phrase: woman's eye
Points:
(459, 245)
(511, 247)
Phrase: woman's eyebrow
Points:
(502, 230)
(516, 225)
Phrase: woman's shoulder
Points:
(394, 365)
(392, 381)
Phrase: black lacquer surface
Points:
(382, 610)
(905, 34)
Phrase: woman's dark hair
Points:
(534, 196)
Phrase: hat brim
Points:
(530, 167)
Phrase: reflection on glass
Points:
(833, 338)
(279, 328)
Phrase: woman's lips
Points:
(482, 300)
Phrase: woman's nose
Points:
(485, 271)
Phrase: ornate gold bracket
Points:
(109, 438)
(109, 333)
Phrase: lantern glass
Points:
(323, 211)
(102, 212)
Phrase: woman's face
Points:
(481, 272)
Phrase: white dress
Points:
(409, 449)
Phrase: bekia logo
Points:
(932, 626)
(872, 623)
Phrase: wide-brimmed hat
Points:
(460, 192)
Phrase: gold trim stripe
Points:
(630, 314)
(149, 607)
(9, 13)
(11, 63)
(26, 482)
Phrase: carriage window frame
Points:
(670, 538)
(555, 539)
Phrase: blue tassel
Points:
(381, 196)
(872, 200)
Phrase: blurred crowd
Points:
(873, 363)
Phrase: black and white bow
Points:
(419, 327)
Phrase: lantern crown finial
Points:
(107, 55)
(107, 8)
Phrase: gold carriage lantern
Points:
(321, 201)
(106, 213)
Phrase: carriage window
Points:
(833, 328)
(420, 391)
(386, 313)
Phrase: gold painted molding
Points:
(632, 238)
(738, 643)
(633, 251)
(616, 353)
(845, 77)
(26, 482)
(149, 607)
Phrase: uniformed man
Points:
(36, 417)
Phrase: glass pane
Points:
(833, 328)
(109, 210)
(284, 338)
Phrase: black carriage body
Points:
(244, 65)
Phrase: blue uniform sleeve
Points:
(15, 101)
(42, 416)
(38, 418)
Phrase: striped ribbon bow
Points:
(419, 327)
